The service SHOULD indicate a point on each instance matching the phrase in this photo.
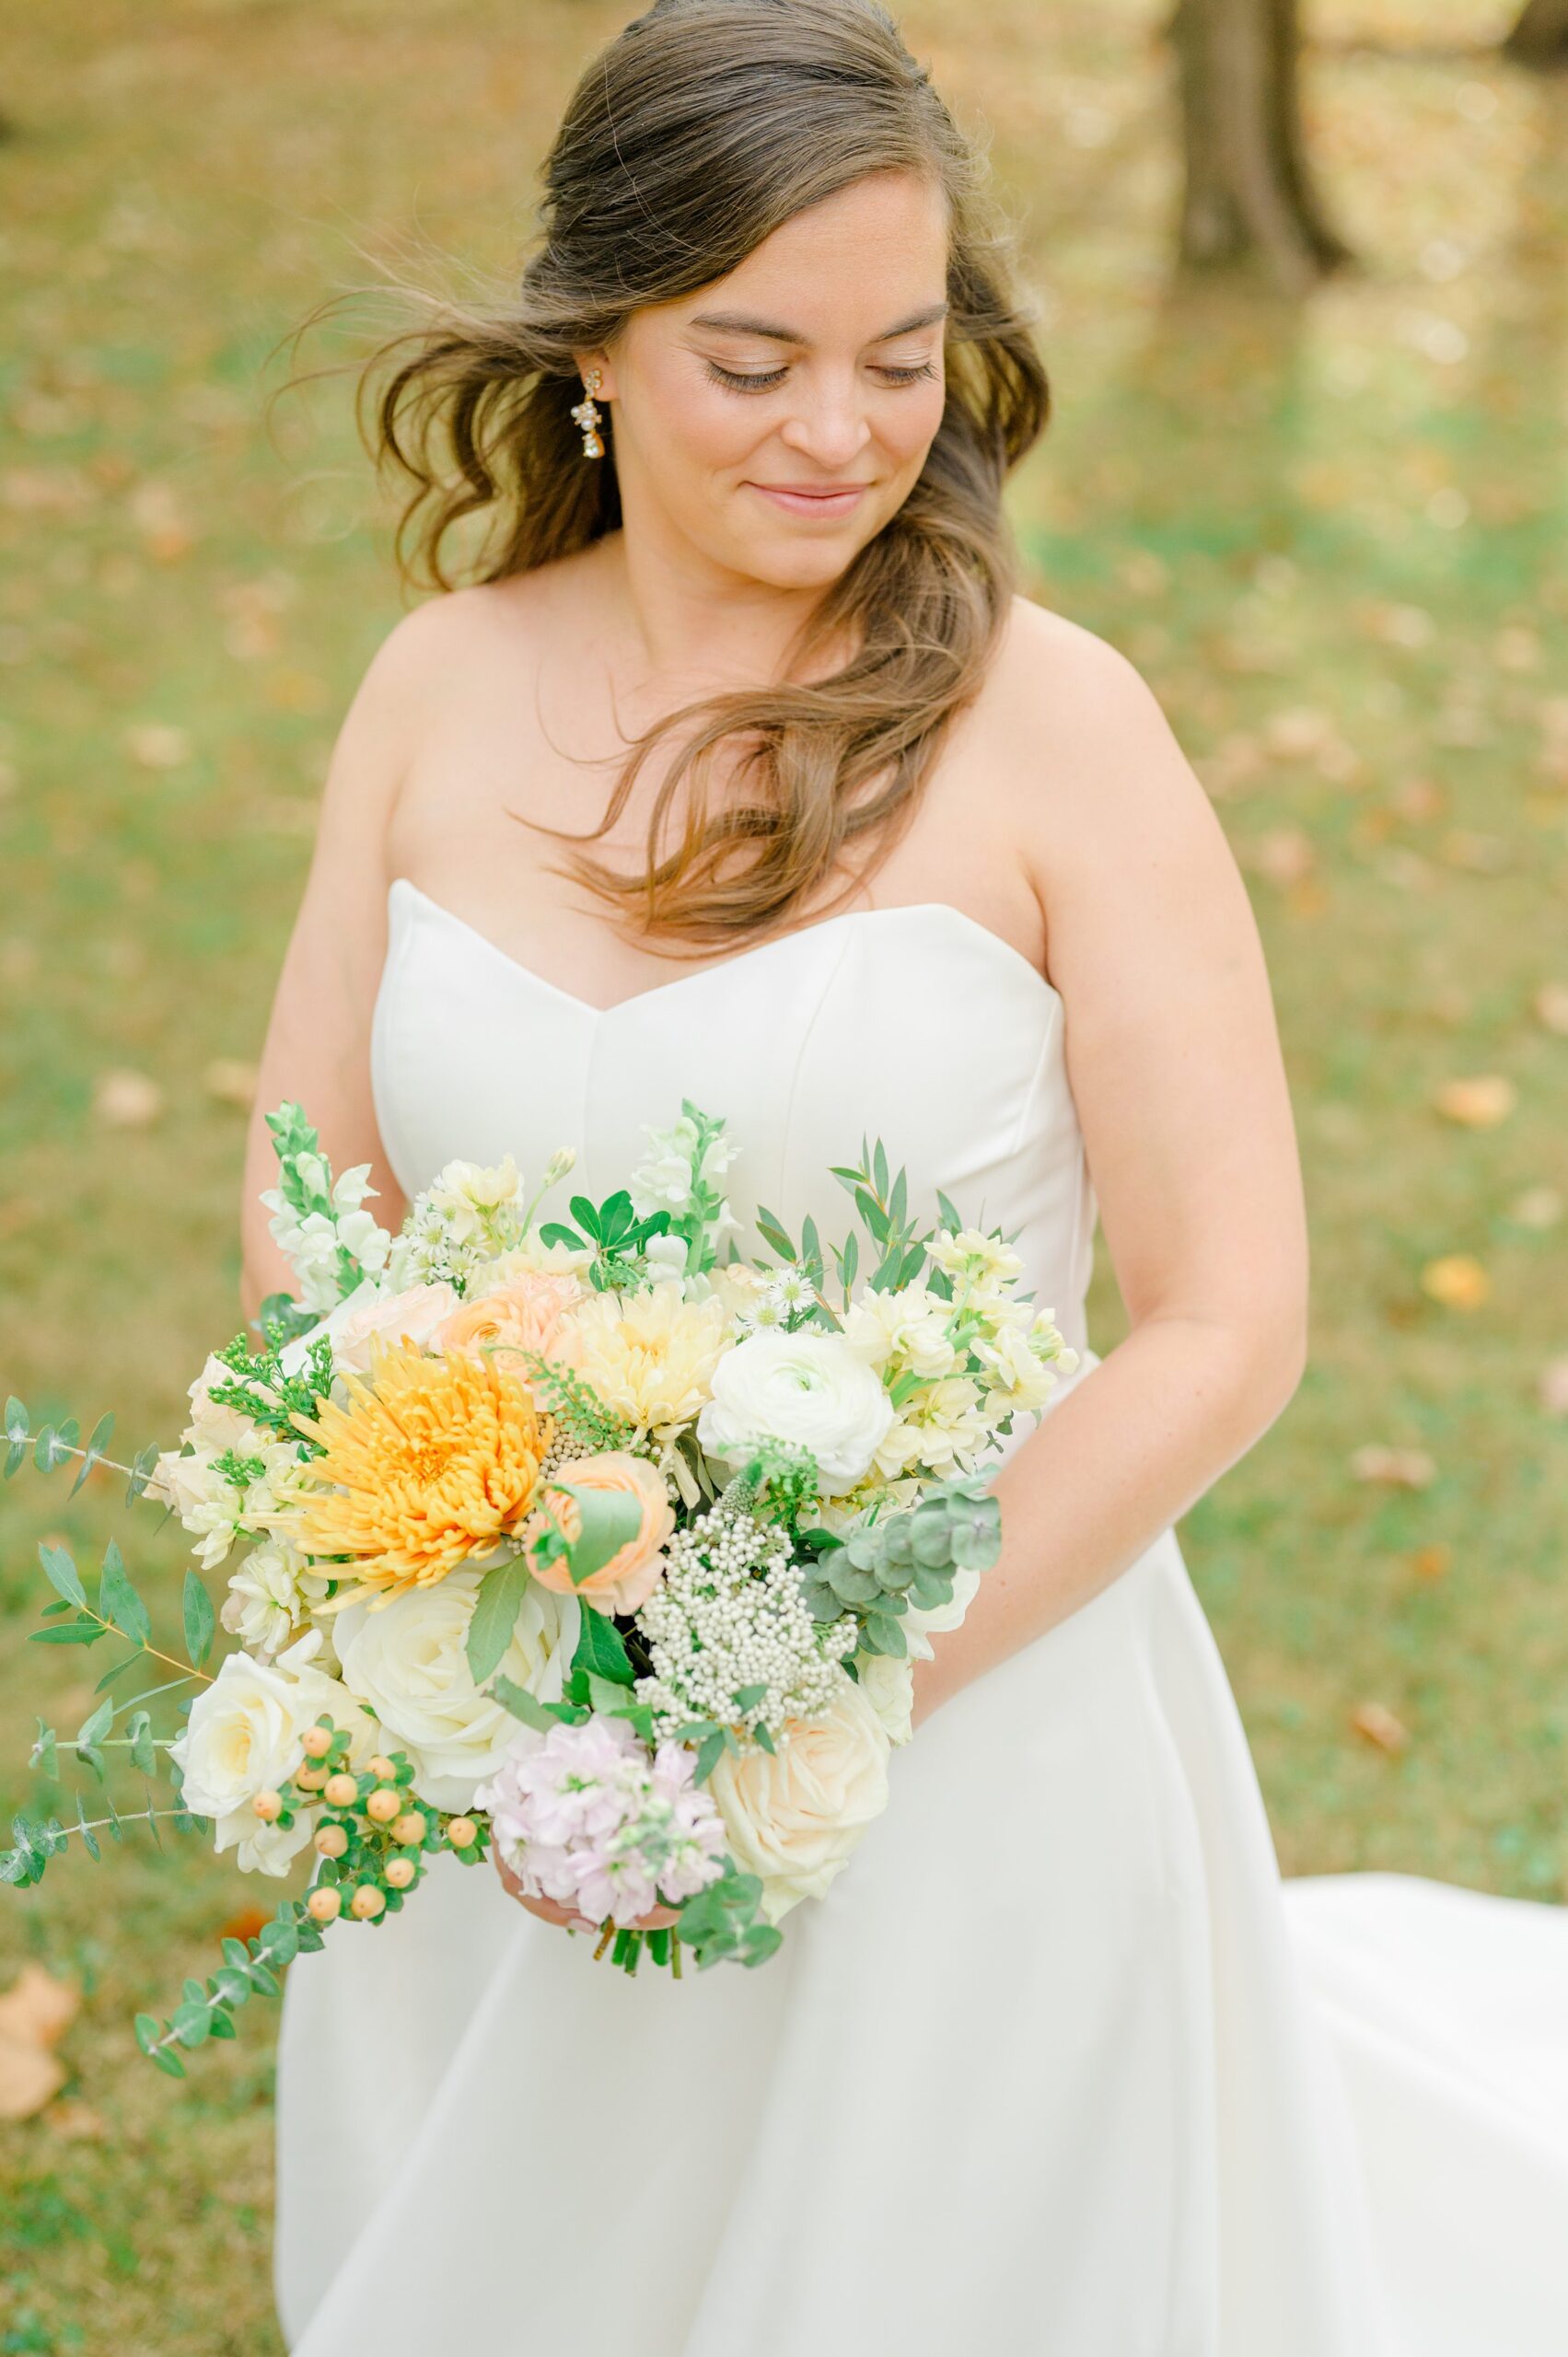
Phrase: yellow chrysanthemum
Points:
(650, 1355)
(433, 1460)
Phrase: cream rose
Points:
(245, 1735)
(797, 1818)
(407, 1660)
(809, 1389)
(413, 1315)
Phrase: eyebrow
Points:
(742, 323)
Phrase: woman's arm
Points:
(317, 1045)
(1174, 1058)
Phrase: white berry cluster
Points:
(729, 1615)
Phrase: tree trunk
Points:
(1541, 35)
(1249, 195)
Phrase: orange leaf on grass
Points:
(1379, 1726)
(1457, 1280)
(35, 2011)
(1477, 1102)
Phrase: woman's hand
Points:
(658, 1919)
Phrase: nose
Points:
(829, 426)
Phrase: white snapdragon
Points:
(729, 1616)
(676, 1163)
(313, 1241)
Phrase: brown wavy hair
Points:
(700, 129)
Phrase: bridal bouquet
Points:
(588, 1541)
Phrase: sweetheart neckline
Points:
(759, 949)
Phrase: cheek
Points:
(699, 427)
(910, 427)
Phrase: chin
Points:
(809, 560)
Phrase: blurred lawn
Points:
(1332, 538)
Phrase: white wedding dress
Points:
(1060, 2068)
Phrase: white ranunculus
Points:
(888, 1685)
(407, 1660)
(809, 1389)
(797, 1818)
(245, 1735)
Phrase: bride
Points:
(739, 771)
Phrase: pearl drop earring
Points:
(588, 414)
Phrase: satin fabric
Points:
(1059, 2068)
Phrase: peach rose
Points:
(526, 1314)
(633, 1571)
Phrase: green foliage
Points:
(581, 1418)
(613, 1233)
(882, 1202)
(890, 1561)
(777, 1483)
(723, 1923)
(494, 1615)
(261, 1389)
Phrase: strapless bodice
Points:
(912, 1024)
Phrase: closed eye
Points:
(738, 380)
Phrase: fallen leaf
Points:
(245, 1925)
(156, 745)
(1285, 855)
(1432, 1562)
(1456, 1280)
(1554, 1388)
(1295, 735)
(1516, 648)
(1478, 854)
(77, 2123)
(1478, 1102)
(1405, 1469)
(127, 1101)
(1537, 1207)
(1379, 1726)
(231, 1081)
(158, 517)
(1551, 1007)
(34, 2014)
(1419, 798)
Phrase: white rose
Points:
(412, 1316)
(888, 1685)
(245, 1735)
(797, 1818)
(807, 1389)
(407, 1660)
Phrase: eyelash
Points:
(735, 381)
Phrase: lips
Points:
(821, 501)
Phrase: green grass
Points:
(1353, 511)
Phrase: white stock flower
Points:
(797, 1818)
(983, 1262)
(245, 1735)
(269, 1598)
(908, 1327)
(808, 1390)
(888, 1685)
(407, 1660)
(468, 1196)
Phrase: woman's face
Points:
(772, 423)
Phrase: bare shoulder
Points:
(1083, 717)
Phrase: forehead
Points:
(870, 252)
